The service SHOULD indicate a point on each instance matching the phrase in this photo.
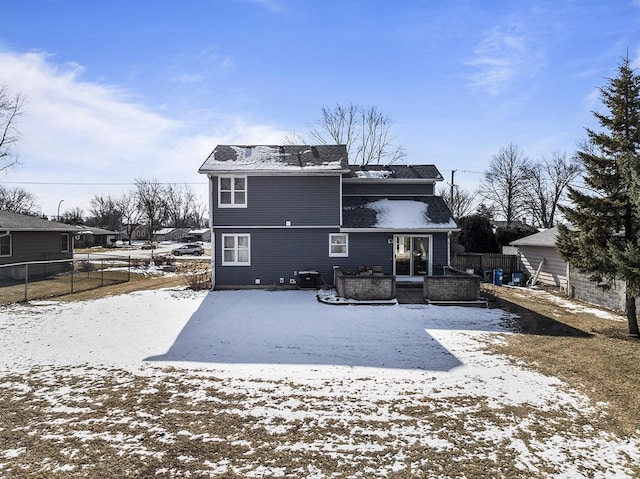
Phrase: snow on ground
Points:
(335, 391)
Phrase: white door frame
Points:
(411, 266)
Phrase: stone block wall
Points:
(589, 292)
(365, 287)
(451, 288)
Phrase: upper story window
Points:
(5, 244)
(232, 191)
(64, 243)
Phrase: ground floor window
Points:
(64, 243)
(5, 244)
(338, 244)
(236, 250)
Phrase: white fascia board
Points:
(399, 230)
(276, 227)
(300, 172)
(393, 180)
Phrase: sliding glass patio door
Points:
(411, 255)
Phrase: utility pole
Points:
(453, 172)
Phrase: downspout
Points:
(213, 236)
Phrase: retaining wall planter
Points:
(451, 288)
(366, 287)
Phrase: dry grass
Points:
(89, 283)
(89, 423)
(593, 355)
(58, 285)
(67, 422)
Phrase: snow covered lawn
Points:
(176, 383)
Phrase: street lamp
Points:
(59, 210)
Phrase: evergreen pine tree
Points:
(606, 214)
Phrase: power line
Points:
(91, 184)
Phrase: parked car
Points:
(150, 245)
(195, 249)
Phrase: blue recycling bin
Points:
(517, 278)
(497, 277)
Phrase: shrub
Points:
(196, 276)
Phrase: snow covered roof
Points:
(16, 222)
(164, 231)
(96, 231)
(402, 172)
(424, 213)
(287, 158)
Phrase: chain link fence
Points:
(47, 279)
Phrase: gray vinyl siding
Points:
(275, 254)
(368, 250)
(440, 254)
(274, 200)
(554, 269)
(37, 246)
(279, 253)
(387, 189)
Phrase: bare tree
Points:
(366, 132)
(462, 203)
(18, 200)
(11, 107)
(505, 182)
(338, 124)
(73, 216)
(128, 206)
(106, 212)
(201, 214)
(180, 205)
(152, 202)
(548, 181)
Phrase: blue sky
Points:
(119, 90)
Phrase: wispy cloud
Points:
(504, 55)
(74, 130)
(635, 56)
(273, 5)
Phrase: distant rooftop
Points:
(287, 158)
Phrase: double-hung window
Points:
(5, 244)
(236, 250)
(64, 243)
(338, 244)
(232, 191)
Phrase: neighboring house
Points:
(170, 234)
(203, 234)
(538, 251)
(89, 237)
(279, 210)
(555, 271)
(28, 238)
(140, 233)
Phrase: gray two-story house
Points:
(279, 210)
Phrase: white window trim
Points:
(339, 255)
(10, 245)
(68, 243)
(235, 241)
(233, 204)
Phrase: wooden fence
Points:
(481, 263)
